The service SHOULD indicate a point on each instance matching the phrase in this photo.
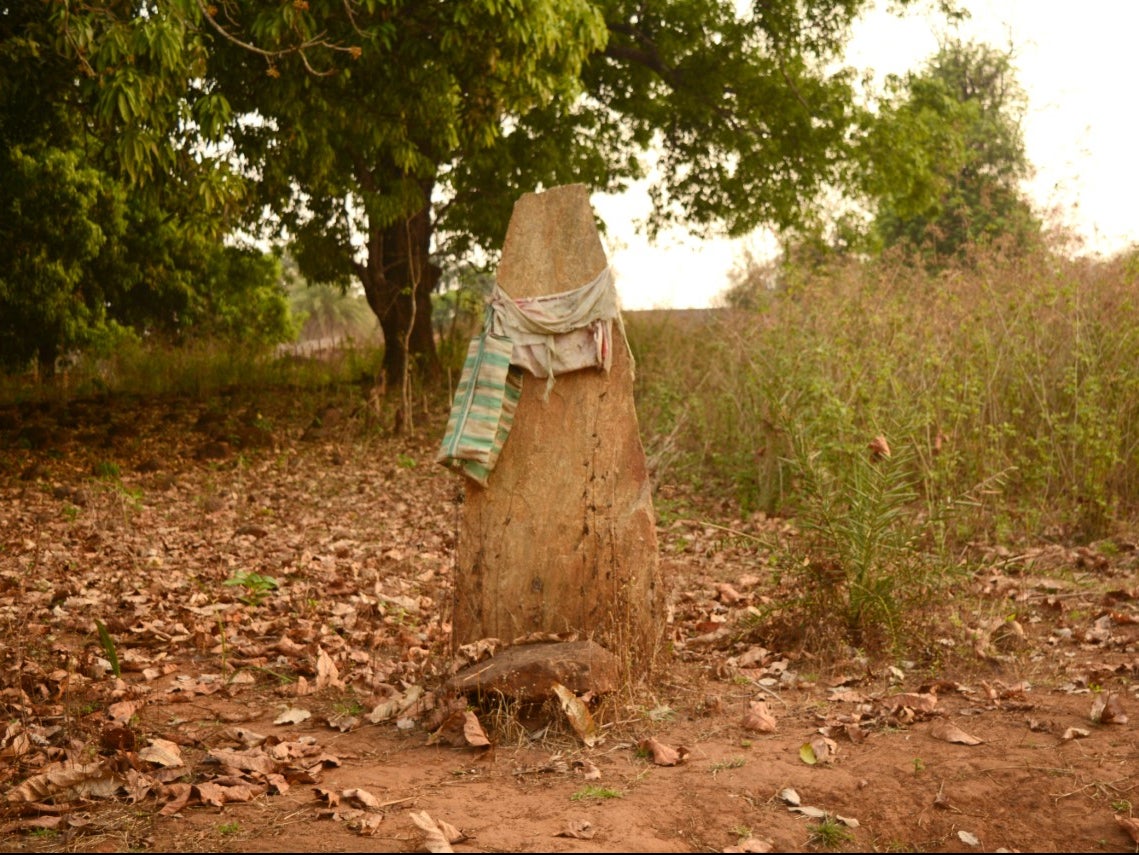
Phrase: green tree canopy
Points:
(399, 138)
(111, 214)
(384, 138)
(943, 160)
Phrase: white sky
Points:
(1076, 60)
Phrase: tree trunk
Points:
(398, 280)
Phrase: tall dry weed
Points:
(1008, 390)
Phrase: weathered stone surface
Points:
(528, 672)
(563, 537)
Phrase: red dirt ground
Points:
(163, 519)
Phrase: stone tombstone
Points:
(563, 538)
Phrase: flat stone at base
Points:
(528, 672)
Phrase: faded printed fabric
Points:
(559, 333)
(545, 336)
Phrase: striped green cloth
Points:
(483, 409)
(547, 335)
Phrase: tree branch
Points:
(270, 55)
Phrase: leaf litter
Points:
(353, 636)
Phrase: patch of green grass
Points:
(828, 833)
(743, 832)
(1007, 401)
(282, 678)
(596, 793)
(107, 469)
(108, 645)
(348, 706)
(257, 586)
(229, 828)
(732, 763)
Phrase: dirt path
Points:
(274, 586)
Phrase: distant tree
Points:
(942, 161)
(325, 311)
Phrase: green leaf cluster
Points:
(386, 140)
(113, 214)
(943, 158)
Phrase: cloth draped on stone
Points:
(545, 336)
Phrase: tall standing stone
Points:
(563, 536)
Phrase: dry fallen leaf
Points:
(360, 797)
(578, 715)
(1107, 708)
(162, 752)
(395, 705)
(473, 731)
(327, 674)
(439, 834)
(293, 715)
(820, 749)
(968, 838)
(460, 729)
(1075, 733)
(581, 829)
(252, 760)
(947, 732)
(212, 793)
(123, 711)
(35, 823)
(809, 811)
(177, 796)
(1130, 825)
(758, 718)
(65, 781)
(661, 754)
(925, 702)
(15, 742)
(751, 844)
